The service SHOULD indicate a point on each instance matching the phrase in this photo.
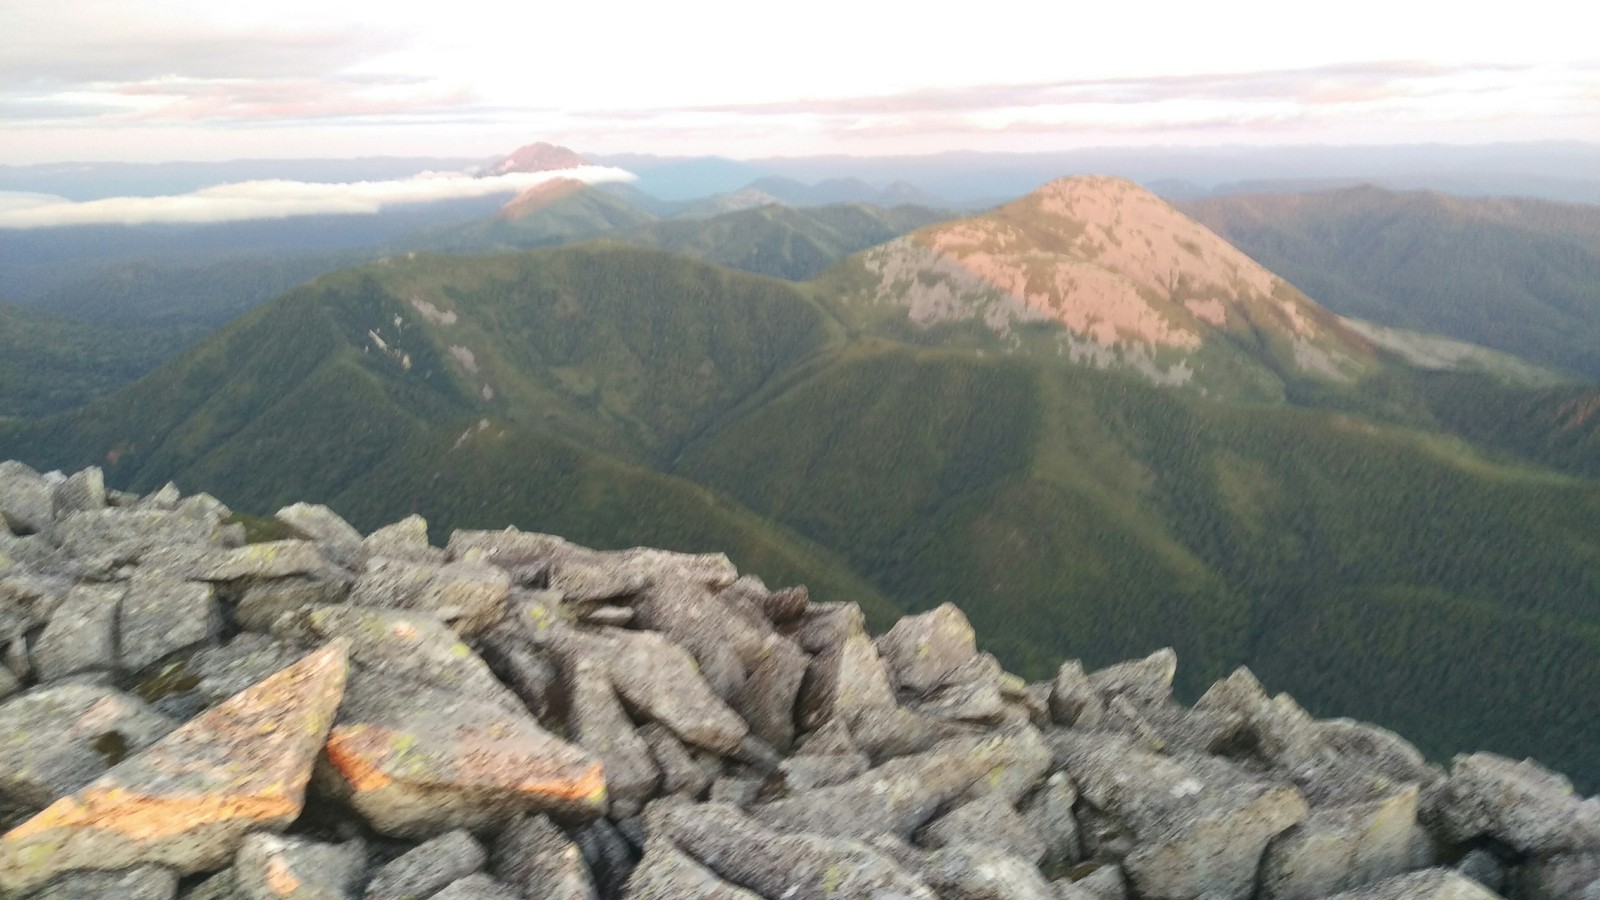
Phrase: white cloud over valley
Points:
(279, 199)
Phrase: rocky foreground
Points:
(183, 714)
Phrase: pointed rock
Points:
(188, 800)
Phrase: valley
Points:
(1275, 509)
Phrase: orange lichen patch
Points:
(349, 750)
(540, 196)
(281, 880)
(144, 818)
(1211, 312)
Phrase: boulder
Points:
(477, 887)
(667, 873)
(971, 692)
(61, 737)
(1198, 824)
(273, 867)
(270, 559)
(828, 757)
(534, 857)
(264, 601)
(471, 597)
(142, 883)
(794, 866)
(680, 774)
(985, 822)
(922, 651)
(406, 539)
(428, 867)
(415, 761)
(404, 646)
(1073, 699)
(82, 634)
(661, 682)
(26, 505)
(83, 491)
(161, 616)
(770, 691)
(188, 800)
(321, 525)
(597, 722)
(903, 794)
(1142, 682)
(1428, 884)
(1049, 815)
(1341, 848)
(1522, 804)
(984, 872)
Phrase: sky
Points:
(161, 80)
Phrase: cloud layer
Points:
(278, 199)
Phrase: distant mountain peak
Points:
(1132, 281)
(536, 157)
(540, 196)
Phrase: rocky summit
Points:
(327, 714)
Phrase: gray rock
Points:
(82, 634)
(415, 761)
(609, 855)
(680, 774)
(274, 867)
(845, 679)
(794, 866)
(161, 616)
(667, 873)
(902, 795)
(770, 691)
(317, 523)
(263, 602)
(971, 692)
(736, 790)
(217, 673)
(827, 758)
(271, 559)
(1142, 682)
(405, 646)
(1341, 848)
(662, 683)
(477, 887)
(9, 685)
(988, 822)
(218, 887)
(536, 858)
(1558, 877)
(26, 506)
(1073, 700)
(406, 539)
(427, 868)
(1428, 884)
(1521, 804)
(922, 651)
(1049, 815)
(983, 872)
(1485, 868)
(177, 542)
(83, 491)
(142, 883)
(471, 597)
(61, 737)
(530, 674)
(597, 722)
(1199, 825)
(1105, 883)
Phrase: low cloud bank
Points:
(280, 199)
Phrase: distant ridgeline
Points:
(196, 705)
(1082, 418)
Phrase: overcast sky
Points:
(151, 80)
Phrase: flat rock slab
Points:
(188, 800)
(428, 868)
(416, 762)
(143, 883)
(470, 596)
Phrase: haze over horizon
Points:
(161, 80)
